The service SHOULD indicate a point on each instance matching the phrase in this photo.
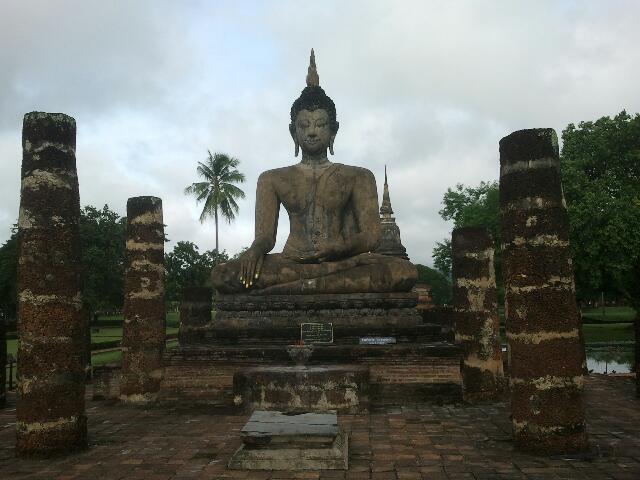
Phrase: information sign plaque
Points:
(311, 333)
(377, 340)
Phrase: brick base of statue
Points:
(412, 363)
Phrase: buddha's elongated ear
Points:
(333, 137)
(292, 131)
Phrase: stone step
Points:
(334, 353)
(344, 333)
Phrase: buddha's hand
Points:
(250, 266)
(328, 251)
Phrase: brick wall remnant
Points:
(477, 326)
(52, 323)
(143, 333)
(542, 318)
(195, 312)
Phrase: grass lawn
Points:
(106, 334)
(114, 356)
(608, 332)
(611, 314)
(173, 318)
(12, 346)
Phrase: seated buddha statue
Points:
(333, 215)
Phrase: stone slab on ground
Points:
(277, 429)
(279, 441)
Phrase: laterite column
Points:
(195, 313)
(543, 324)
(475, 303)
(51, 319)
(143, 333)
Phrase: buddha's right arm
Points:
(267, 211)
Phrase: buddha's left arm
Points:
(365, 208)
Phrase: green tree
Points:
(440, 285)
(102, 236)
(185, 266)
(600, 166)
(218, 191)
(470, 207)
(442, 257)
(8, 272)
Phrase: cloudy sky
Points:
(426, 87)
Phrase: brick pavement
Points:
(417, 442)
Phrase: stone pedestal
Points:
(344, 388)
(253, 330)
(52, 325)
(276, 319)
(398, 374)
(543, 322)
(277, 441)
(477, 325)
(143, 332)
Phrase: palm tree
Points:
(218, 190)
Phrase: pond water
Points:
(607, 358)
(610, 359)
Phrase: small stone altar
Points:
(277, 441)
(344, 388)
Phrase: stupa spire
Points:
(390, 243)
(385, 208)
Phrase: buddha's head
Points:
(313, 117)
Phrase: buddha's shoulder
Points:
(275, 173)
(352, 170)
(283, 173)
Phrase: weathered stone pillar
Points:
(143, 333)
(51, 319)
(475, 303)
(195, 313)
(542, 319)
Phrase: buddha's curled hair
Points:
(313, 97)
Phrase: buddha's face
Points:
(313, 132)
